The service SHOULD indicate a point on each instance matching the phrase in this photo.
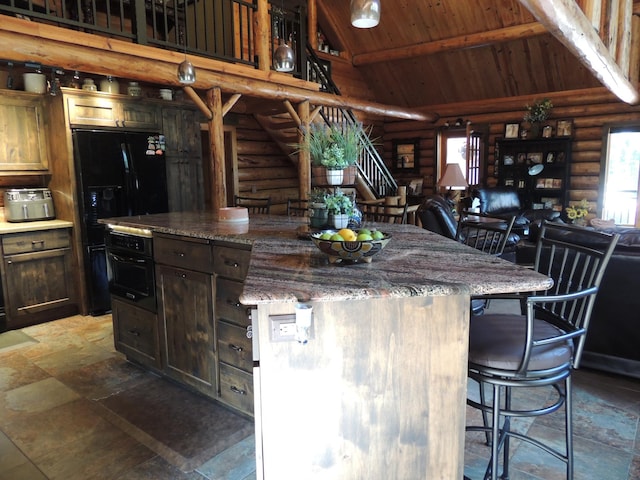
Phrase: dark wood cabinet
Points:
(184, 158)
(538, 168)
(185, 288)
(37, 273)
(135, 333)
(105, 110)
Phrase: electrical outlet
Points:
(283, 328)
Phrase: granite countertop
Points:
(285, 268)
(19, 227)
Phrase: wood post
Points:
(304, 158)
(216, 146)
(262, 30)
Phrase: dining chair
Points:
(540, 347)
(253, 204)
(385, 213)
(487, 234)
(297, 207)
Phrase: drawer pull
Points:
(249, 331)
(36, 242)
(233, 303)
(135, 333)
(235, 389)
(180, 254)
(235, 347)
(229, 263)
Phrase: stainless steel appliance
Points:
(28, 204)
(130, 266)
(119, 174)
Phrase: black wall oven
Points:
(130, 266)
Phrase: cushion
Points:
(497, 341)
(498, 200)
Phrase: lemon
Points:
(348, 234)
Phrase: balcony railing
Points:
(218, 29)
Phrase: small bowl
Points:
(354, 251)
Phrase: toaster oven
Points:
(28, 204)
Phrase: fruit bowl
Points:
(349, 250)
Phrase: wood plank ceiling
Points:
(471, 50)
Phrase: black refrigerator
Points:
(119, 174)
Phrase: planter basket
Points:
(319, 176)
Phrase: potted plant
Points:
(334, 147)
(318, 214)
(536, 114)
(340, 208)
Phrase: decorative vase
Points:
(334, 177)
(534, 131)
(319, 215)
(339, 221)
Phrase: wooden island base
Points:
(371, 393)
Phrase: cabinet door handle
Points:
(230, 263)
(179, 254)
(233, 303)
(135, 333)
(235, 347)
(36, 242)
(235, 389)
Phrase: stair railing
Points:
(371, 167)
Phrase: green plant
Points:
(317, 195)
(335, 146)
(339, 203)
(539, 111)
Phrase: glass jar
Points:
(134, 89)
(89, 85)
(109, 85)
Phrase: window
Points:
(465, 147)
(621, 174)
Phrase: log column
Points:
(216, 146)
(304, 158)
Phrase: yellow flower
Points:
(571, 213)
(578, 211)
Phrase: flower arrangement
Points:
(335, 146)
(577, 213)
(338, 203)
(539, 111)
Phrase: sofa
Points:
(505, 202)
(613, 339)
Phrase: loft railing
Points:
(371, 167)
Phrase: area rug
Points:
(186, 429)
(14, 339)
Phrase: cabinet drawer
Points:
(228, 306)
(231, 262)
(236, 388)
(136, 333)
(35, 241)
(182, 252)
(234, 347)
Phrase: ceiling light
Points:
(284, 58)
(186, 72)
(365, 13)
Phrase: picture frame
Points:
(564, 128)
(550, 157)
(522, 158)
(406, 155)
(507, 160)
(535, 157)
(540, 183)
(511, 130)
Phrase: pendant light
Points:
(365, 13)
(186, 70)
(284, 58)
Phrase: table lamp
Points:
(453, 179)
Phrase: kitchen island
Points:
(379, 388)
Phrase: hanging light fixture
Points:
(284, 58)
(186, 70)
(365, 13)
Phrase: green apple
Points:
(336, 238)
(363, 237)
(325, 236)
(377, 235)
(364, 231)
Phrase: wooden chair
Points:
(385, 213)
(297, 207)
(540, 347)
(253, 204)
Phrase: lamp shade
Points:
(453, 177)
(365, 13)
(284, 58)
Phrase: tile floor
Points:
(58, 419)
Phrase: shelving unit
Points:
(543, 186)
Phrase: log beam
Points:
(195, 98)
(218, 187)
(566, 22)
(24, 41)
(506, 34)
(304, 157)
(230, 103)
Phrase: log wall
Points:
(590, 110)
